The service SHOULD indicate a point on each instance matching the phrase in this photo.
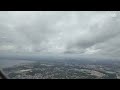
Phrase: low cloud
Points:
(84, 33)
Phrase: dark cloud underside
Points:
(86, 33)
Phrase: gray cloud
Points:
(86, 33)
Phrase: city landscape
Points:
(60, 45)
(64, 70)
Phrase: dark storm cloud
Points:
(87, 33)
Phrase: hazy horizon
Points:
(78, 33)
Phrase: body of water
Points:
(4, 63)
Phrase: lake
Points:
(4, 63)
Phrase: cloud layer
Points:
(83, 32)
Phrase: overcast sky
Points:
(84, 32)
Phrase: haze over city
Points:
(60, 44)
